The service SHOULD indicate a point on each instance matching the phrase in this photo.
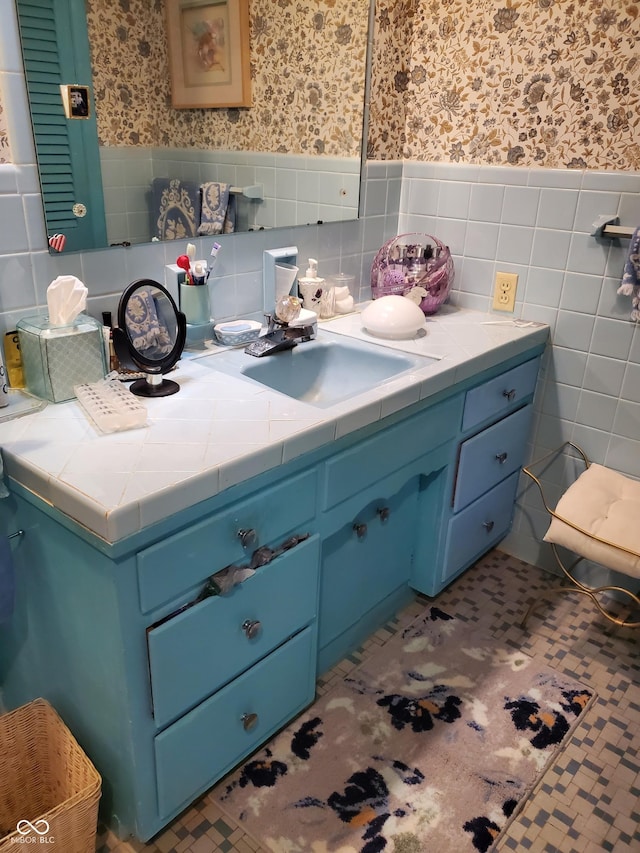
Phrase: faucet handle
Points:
(288, 308)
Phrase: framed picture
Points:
(209, 53)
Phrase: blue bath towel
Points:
(217, 213)
(630, 285)
(176, 207)
(7, 580)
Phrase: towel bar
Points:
(617, 231)
(607, 225)
(253, 191)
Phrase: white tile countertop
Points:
(221, 429)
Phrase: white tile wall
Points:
(538, 223)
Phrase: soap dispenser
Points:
(316, 296)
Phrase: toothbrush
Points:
(214, 252)
(191, 256)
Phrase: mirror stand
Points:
(150, 336)
(154, 385)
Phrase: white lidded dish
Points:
(394, 317)
(233, 333)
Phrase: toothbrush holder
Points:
(195, 303)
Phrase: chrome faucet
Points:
(280, 335)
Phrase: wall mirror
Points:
(150, 336)
(126, 172)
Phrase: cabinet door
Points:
(367, 559)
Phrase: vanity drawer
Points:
(204, 647)
(176, 564)
(491, 456)
(498, 396)
(206, 743)
(373, 459)
(478, 527)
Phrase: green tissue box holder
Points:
(55, 358)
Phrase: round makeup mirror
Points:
(150, 336)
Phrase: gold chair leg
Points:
(622, 623)
(590, 592)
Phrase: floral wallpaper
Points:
(307, 70)
(550, 83)
(5, 149)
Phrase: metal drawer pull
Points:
(383, 513)
(488, 526)
(251, 628)
(249, 721)
(247, 537)
(361, 530)
(501, 457)
(509, 394)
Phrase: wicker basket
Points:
(48, 787)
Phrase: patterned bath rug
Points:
(432, 744)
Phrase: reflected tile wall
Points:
(287, 182)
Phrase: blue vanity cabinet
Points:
(380, 497)
(168, 687)
(492, 440)
(165, 686)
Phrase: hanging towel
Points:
(630, 285)
(7, 580)
(149, 334)
(216, 204)
(176, 208)
(230, 219)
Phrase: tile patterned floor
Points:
(588, 800)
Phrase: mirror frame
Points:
(153, 385)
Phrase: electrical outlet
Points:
(504, 291)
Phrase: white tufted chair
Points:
(598, 519)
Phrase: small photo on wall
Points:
(76, 101)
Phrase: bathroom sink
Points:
(323, 371)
